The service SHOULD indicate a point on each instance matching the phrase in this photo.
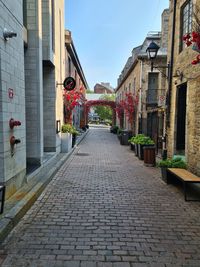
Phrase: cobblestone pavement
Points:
(105, 209)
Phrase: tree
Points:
(105, 112)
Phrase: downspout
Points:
(171, 65)
(140, 97)
(170, 76)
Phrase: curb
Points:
(13, 216)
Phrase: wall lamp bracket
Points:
(8, 34)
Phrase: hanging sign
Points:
(69, 83)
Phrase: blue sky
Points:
(105, 32)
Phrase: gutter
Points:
(168, 101)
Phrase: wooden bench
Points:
(185, 176)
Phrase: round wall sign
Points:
(69, 83)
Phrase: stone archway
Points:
(109, 103)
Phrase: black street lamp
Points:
(152, 51)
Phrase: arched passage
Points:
(109, 103)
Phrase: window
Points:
(186, 20)
(69, 66)
(129, 88)
(52, 24)
(24, 13)
(134, 85)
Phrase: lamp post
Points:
(152, 51)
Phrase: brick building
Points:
(148, 86)
(74, 69)
(184, 90)
(103, 88)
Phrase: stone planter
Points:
(73, 139)
(164, 173)
(136, 150)
(66, 142)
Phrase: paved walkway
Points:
(105, 209)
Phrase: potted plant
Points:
(142, 142)
(66, 137)
(119, 134)
(136, 140)
(170, 163)
(131, 142)
(74, 135)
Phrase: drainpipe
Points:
(140, 96)
(171, 64)
(170, 76)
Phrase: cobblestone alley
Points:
(105, 209)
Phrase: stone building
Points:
(31, 65)
(74, 69)
(103, 88)
(184, 86)
(147, 85)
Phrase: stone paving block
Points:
(106, 209)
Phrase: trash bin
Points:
(149, 155)
(125, 135)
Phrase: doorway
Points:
(181, 119)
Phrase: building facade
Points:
(74, 69)
(32, 63)
(103, 88)
(184, 94)
(147, 86)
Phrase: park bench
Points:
(185, 177)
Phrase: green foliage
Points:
(105, 112)
(88, 91)
(113, 129)
(119, 131)
(74, 131)
(173, 163)
(67, 128)
(131, 140)
(142, 140)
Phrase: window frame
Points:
(186, 17)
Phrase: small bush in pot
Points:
(170, 163)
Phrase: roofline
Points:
(127, 74)
(139, 57)
(72, 51)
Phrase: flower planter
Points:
(141, 150)
(164, 173)
(136, 150)
(149, 155)
(66, 142)
(73, 139)
(132, 146)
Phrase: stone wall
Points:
(190, 76)
(12, 165)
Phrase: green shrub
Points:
(173, 163)
(142, 140)
(131, 140)
(113, 129)
(119, 131)
(67, 128)
(74, 131)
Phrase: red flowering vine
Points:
(71, 100)
(127, 107)
(120, 109)
(194, 40)
(130, 104)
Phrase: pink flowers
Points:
(194, 40)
